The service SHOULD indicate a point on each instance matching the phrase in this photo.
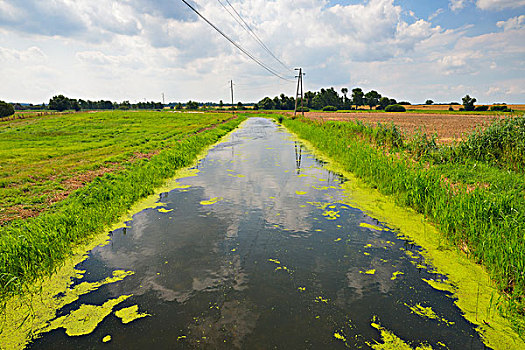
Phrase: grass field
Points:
(115, 159)
(473, 191)
(45, 157)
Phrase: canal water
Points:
(257, 250)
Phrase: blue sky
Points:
(137, 49)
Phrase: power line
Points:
(250, 31)
(237, 45)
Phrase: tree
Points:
(192, 105)
(178, 106)
(6, 109)
(429, 102)
(468, 103)
(59, 103)
(346, 105)
(240, 106)
(383, 103)
(357, 97)
(372, 98)
(266, 103)
(221, 104)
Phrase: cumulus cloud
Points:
(512, 23)
(456, 5)
(498, 4)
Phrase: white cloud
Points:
(456, 5)
(498, 4)
(32, 54)
(512, 23)
(138, 48)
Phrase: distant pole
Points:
(299, 91)
(162, 99)
(302, 95)
(231, 86)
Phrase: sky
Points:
(137, 50)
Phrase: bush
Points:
(6, 109)
(404, 103)
(500, 108)
(329, 109)
(395, 108)
(303, 109)
(450, 108)
(481, 108)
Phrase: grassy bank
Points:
(476, 202)
(44, 158)
(35, 247)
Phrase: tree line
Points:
(329, 99)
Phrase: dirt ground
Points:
(448, 127)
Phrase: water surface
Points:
(260, 251)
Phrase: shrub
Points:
(481, 108)
(450, 108)
(303, 109)
(6, 109)
(404, 103)
(500, 108)
(395, 108)
(329, 109)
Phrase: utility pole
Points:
(299, 91)
(231, 86)
(162, 99)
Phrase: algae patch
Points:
(372, 227)
(427, 312)
(395, 274)
(130, 314)
(85, 319)
(390, 341)
(211, 201)
(106, 339)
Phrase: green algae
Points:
(164, 210)
(236, 175)
(106, 339)
(427, 312)
(372, 227)
(130, 314)
(301, 193)
(395, 274)
(474, 291)
(211, 201)
(85, 319)
(443, 286)
(339, 336)
(331, 214)
(390, 341)
(368, 272)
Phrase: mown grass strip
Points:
(35, 247)
(486, 222)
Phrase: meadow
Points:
(473, 191)
(45, 157)
(78, 173)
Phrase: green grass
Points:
(479, 204)
(35, 247)
(39, 155)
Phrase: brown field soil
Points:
(456, 107)
(449, 127)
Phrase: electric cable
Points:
(237, 45)
(250, 31)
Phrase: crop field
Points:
(45, 157)
(448, 127)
